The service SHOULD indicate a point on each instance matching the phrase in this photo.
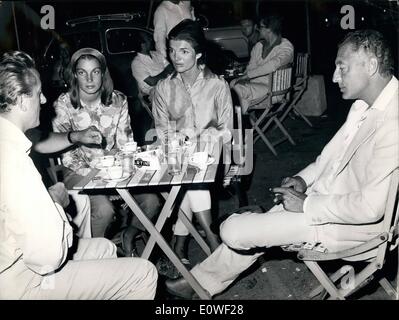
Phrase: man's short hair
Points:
(16, 78)
(372, 42)
(272, 22)
(246, 22)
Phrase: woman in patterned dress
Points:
(92, 101)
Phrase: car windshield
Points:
(216, 14)
(121, 40)
(82, 39)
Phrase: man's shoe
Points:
(179, 288)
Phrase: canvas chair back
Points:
(241, 150)
(277, 101)
(238, 138)
(299, 87)
(391, 216)
(55, 169)
(281, 80)
(301, 68)
(145, 103)
(373, 252)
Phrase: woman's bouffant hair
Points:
(107, 86)
(273, 22)
(190, 31)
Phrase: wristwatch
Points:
(69, 137)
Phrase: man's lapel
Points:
(365, 131)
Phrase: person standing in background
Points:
(166, 17)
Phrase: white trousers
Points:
(193, 201)
(253, 90)
(83, 211)
(249, 231)
(96, 274)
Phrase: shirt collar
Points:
(383, 98)
(139, 54)
(205, 73)
(144, 56)
(85, 105)
(173, 5)
(10, 132)
(386, 94)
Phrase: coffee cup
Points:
(115, 172)
(130, 146)
(107, 161)
(199, 159)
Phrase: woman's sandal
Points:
(186, 262)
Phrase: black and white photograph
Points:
(199, 154)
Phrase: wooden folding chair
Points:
(372, 252)
(300, 86)
(241, 152)
(54, 169)
(146, 104)
(271, 105)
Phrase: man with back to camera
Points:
(36, 235)
(338, 200)
(79, 209)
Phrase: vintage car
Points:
(115, 35)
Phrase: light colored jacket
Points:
(280, 55)
(260, 69)
(350, 207)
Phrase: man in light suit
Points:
(339, 199)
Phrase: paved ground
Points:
(278, 275)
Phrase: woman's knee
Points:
(150, 203)
(101, 208)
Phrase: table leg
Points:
(126, 196)
(197, 237)
(165, 213)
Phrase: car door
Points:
(121, 46)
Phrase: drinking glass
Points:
(174, 160)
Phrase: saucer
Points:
(210, 161)
(100, 166)
(106, 179)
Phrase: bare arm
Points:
(58, 141)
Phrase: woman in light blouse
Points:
(196, 103)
